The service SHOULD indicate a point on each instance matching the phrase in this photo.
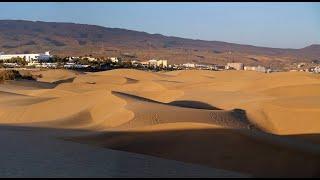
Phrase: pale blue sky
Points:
(285, 25)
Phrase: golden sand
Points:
(182, 115)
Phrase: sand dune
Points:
(218, 119)
(55, 75)
(9, 95)
(149, 112)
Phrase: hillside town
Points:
(90, 63)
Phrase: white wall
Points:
(28, 57)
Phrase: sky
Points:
(279, 25)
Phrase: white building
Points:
(261, 69)
(28, 57)
(162, 63)
(74, 65)
(153, 63)
(189, 65)
(90, 58)
(114, 59)
(69, 65)
(205, 66)
(257, 68)
(35, 64)
(158, 63)
(236, 66)
(250, 68)
(135, 63)
(12, 65)
(49, 65)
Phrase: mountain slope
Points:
(17, 36)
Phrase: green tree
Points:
(18, 60)
(84, 61)
(58, 59)
(127, 64)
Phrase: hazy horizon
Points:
(275, 25)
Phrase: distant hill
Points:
(17, 36)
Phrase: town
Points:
(90, 63)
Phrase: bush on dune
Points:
(15, 75)
(29, 76)
(9, 75)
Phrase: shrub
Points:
(9, 75)
(18, 60)
(14, 75)
(27, 75)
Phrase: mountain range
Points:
(70, 39)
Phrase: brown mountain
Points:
(17, 36)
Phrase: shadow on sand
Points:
(180, 103)
(69, 80)
(218, 148)
(32, 84)
(193, 104)
(237, 150)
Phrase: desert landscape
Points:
(246, 122)
(159, 90)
